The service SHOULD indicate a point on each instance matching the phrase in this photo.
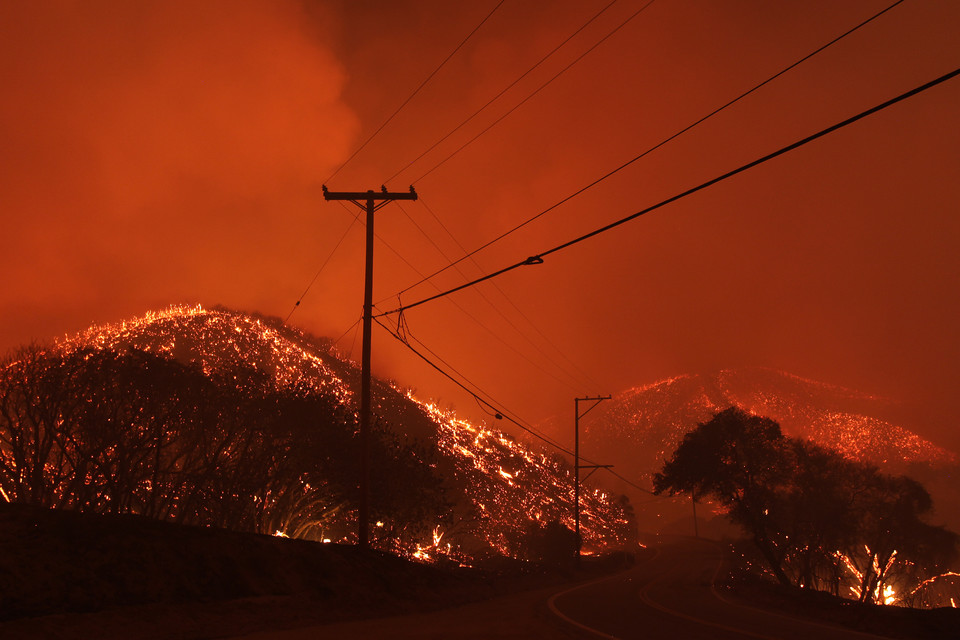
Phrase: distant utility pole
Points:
(576, 461)
(696, 529)
(370, 201)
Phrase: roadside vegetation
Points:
(817, 519)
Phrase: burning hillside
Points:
(218, 417)
(642, 426)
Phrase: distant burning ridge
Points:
(643, 426)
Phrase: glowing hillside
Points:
(642, 426)
(501, 488)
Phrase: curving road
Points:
(671, 595)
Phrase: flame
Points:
(889, 596)
(883, 592)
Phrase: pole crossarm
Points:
(595, 399)
(593, 468)
(362, 196)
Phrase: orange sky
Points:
(166, 152)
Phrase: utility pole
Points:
(369, 201)
(576, 461)
(696, 529)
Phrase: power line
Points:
(538, 258)
(505, 318)
(344, 334)
(585, 377)
(636, 486)
(489, 404)
(322, 267)
(476, 396)
(484, 326)
(508, 345)
(655, 147)
(415, 92)
(502, 92)
(355, 217)
(382, 241)
(536, 91)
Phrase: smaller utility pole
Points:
(696, 529)
(370, 201)
(576, 461)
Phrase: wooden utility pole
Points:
(576, 461)
(370, 201)
(696, 529)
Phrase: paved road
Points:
(670, 595)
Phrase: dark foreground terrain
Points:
(72, 575)
(55, 564)
(78, 576)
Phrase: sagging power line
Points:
(585, 376)
(495, 407)
(501, 93)
(564, 371)
(323, 266)
(354, 219)
(650, 150)
(538, 258)
(535, 92)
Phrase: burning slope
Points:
(501, 490)
(642, 426)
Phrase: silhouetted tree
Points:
(739, 461)
(815, 516)
(891, 532)
(814, 510)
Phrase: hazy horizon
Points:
(160, 153)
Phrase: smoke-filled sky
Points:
(167, 152)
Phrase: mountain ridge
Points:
(641, 426)
(503, 490)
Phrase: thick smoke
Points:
(146, 143)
